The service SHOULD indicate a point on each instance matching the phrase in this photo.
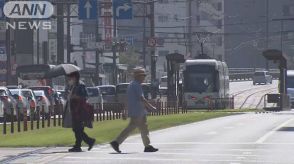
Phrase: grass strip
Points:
(103, 131)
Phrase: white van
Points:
(290, 86)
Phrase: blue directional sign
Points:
(88, 9)
(122, 9)
(2, 2)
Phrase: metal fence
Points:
(38, 119)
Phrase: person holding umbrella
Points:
(136, 112)
(77, 96)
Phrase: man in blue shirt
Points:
(136, 104)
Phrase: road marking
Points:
(211, 133)
(215, 143)
(247, 153)
(128, 158)
(269, 134)
(234, 161)
(210, 154)
(195, 143)
(240, 124)
(229, 127)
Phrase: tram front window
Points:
(199, 82)
(200, 79)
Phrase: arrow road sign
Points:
(123, 9)
(88, 9)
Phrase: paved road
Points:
(246, 138)
(249, 96)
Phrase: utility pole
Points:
(282, 29)
(38, 46)
(144, 36)
(68, 36)
(98, 50)
(8, 51)
(267, 31)
(114, 47)
(190, 27)
(153, 57)
(60, 34)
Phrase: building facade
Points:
(170, 28)
(252, 26)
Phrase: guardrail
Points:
(18, 122)
(246, 74)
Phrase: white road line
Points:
(201, 154)
(269, 134)
(215, 143)
(211, 133)
(135, 158)
(234, 161)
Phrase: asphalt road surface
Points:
(238, 139)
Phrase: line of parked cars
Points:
(18, 99)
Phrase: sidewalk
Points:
(10, 154)
(35, 155)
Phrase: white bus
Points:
(205, 80)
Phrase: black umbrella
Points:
(62, 69)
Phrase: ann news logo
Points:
(24, 15)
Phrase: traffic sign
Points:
(88, 9)
(2, 2)
(123, 9)
(152, 42)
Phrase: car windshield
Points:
(107, 90)
(122, 88)
(3, 93)
(259, 74)
(39, 93)
(93, 92)
(14, 92)
(47, 90)
(27, 94)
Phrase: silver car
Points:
(42, 100)
(94, 97)
(262, 77)
(108, 93)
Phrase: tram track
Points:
(264, 91)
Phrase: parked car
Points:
(42, 100)
(108, 93)
(1, 110)
(26, 99)
(94, 96)
(10, 103)
(58, 99)
(121, 92)
(13, 87)
(48, 91)
(262, 77)
(147, 90)
(62, 94)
